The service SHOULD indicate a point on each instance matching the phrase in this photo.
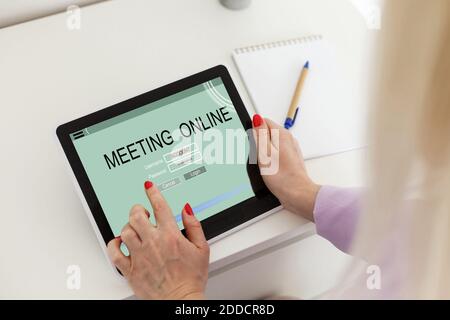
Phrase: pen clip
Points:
(295, 115)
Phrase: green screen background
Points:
(122, 187)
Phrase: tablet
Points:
(192, 138)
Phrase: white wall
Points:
(17, 11)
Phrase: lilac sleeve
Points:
(336, 212)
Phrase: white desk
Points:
(49, 75)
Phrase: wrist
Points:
(194, 296)
(302, 198)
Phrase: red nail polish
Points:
(148, 185)
(188, 209)
(147, 213)
(257, 120)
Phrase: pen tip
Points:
(306, 66)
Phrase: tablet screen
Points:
(191, 144)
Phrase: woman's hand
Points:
(163, 264)
(282, 167)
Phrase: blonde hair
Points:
(406, 222)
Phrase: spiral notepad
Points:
(328, 122)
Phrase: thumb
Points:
(194, 230)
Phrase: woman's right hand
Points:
(282, 167)
(163, 263)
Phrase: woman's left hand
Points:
(163, 264)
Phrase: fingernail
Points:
(148, 185)
(188, 209)
(147, 213)
(257, 120)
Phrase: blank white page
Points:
(326, 122)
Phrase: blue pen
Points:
(293, 109)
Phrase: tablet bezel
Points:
(213, 226)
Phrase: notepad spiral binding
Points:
(276, 44)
